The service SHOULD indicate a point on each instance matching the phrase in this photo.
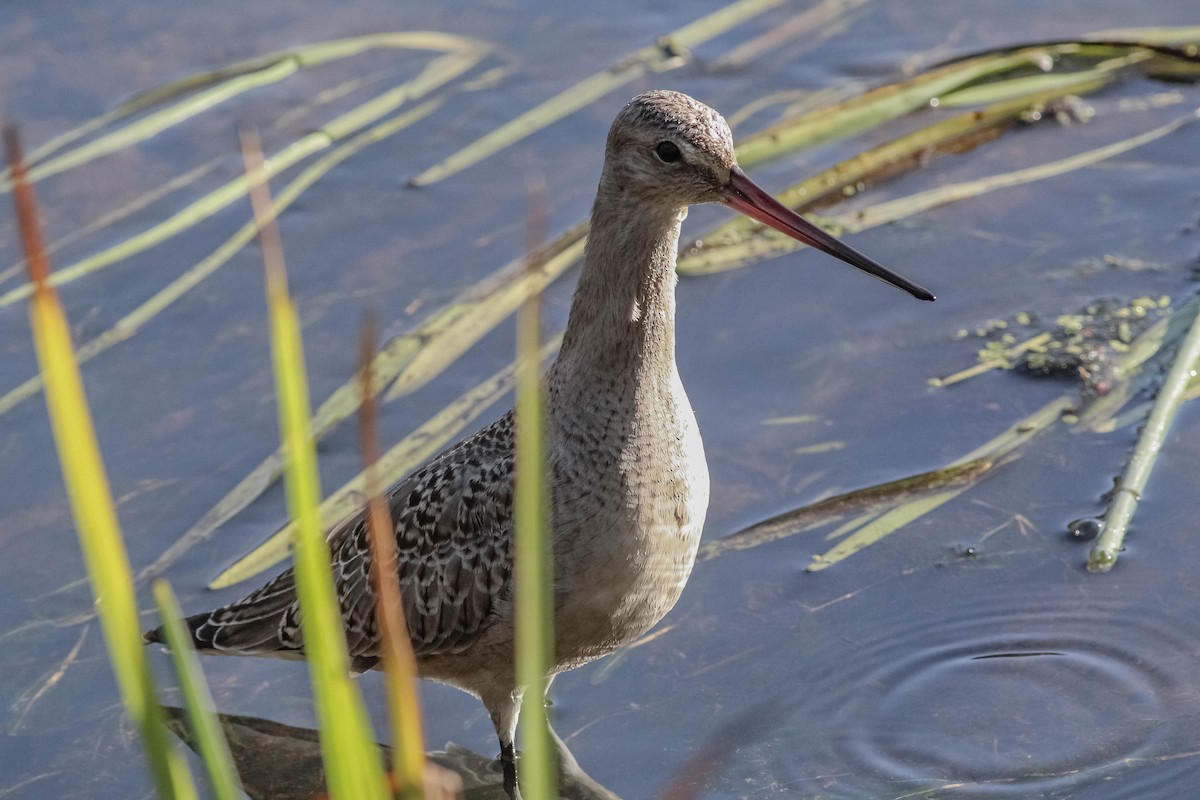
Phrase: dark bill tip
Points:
(747, 197)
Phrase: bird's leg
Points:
(504, 707)
(508, 762)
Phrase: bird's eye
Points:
(668, 152)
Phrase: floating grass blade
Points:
(115, 215)
(899, 516)
(91, 499)
(871, 109)
(206, 90)
(892, 493)
(958, 82)
(1137, 473)
(396, 653)
(531, 556)
(353, 768)
(434, 75)
(725, 257)
(132, 322)
(712, 251)
(891, 211)
(668, 52)
(201, 713)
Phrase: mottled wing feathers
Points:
(453, 528)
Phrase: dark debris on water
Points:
(1082, 346)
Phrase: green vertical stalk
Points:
(198, 702)
(353, 768)
(1103, 556)
(534, 624)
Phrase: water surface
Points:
(967, 656)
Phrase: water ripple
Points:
(1001, 699)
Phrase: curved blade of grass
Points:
(155, 123)
(870, 499)
(401, 459)
(1092, 47)
(132, 322)
(905, 513)
(873, 108)
(1103, 556)
(953, 134)
(1167, 35)
(955, 82)
(532, 578)
(122, 212)
(1050, 86)
(396, 653)
(91, 500)
(721, 258)
(210, 89)
(437, 73)
(666, 53)
(813, 25)
(201, 713)
(352, 764)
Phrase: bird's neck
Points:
(623, 314)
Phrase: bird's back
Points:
(453, 525)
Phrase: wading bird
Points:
(628, 478)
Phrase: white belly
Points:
(626, 536)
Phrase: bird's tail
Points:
(263, 623)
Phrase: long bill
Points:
(747, 197)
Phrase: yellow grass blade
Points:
(91, 500)
(352, 765)
(133, 322)
(209, 89)
(532, 577)
(668, 52)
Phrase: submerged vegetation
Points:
(1117, 350)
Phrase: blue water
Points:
(876, 678)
